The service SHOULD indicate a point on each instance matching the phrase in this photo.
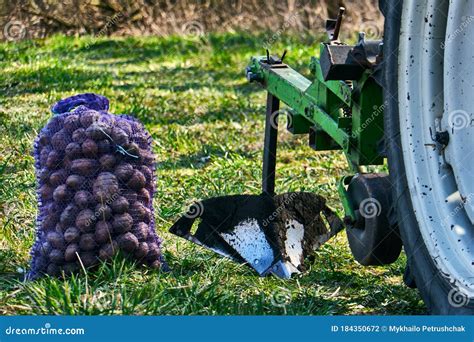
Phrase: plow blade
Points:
(271, 234)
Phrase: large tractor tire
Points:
(429, 94)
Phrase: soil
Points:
(309, 210)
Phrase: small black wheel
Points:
(408, 278)
(372, 239)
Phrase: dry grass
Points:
(39, 18)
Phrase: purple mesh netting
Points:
(91, 101)
(96, 176)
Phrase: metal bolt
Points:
(252, 77)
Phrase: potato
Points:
(71, 123)
(97, 132)
(56, 240)
(103, 211)
(84, 167)
(148, 216)
(68, 216)
(146, 172)
(67, 163)
(56, 256)
(75, 181)
(142, 139)
(54, 160)
(83, 199)
(138, 211)
(122, 223)
(107, 162)
(155, 264)
(56, 123)
(43, 175)
(130, 195)
(73, 150)
(79, 135)
(89, 148)
(53, 270)
(105, 187)
(60, 140)
(87, 242)
(124, 126)
(43, 139)
(123, 172)
(104, 146)
(133, 149)
(153, 251)
(136, 181)
(89, 117)
(52, 208)
(144, 196)
(40, 262)
(142, 250)
(70, 267)
(85, 220)
(140, 230)
(61, 194)
(70, 253)
(107, 251)
(147, 157)
(103, 232)
(119, 205)
(45, 192)
(49, 221)
(60, 228)
(71, 234)
(58, 177)
(88, 259)
(119, 137)
(128, 242)
(45, 248)
(43, 155)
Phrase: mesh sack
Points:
(95, 175)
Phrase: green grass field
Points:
(207, 125)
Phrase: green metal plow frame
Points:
(338, 115)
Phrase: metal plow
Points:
(271, 234)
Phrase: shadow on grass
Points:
(47, 78)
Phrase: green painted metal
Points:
(343, 116)
(338, 115)
(344, 197)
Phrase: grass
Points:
(207, 125)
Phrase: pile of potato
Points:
(95, 174)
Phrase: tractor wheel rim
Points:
(435, 47)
